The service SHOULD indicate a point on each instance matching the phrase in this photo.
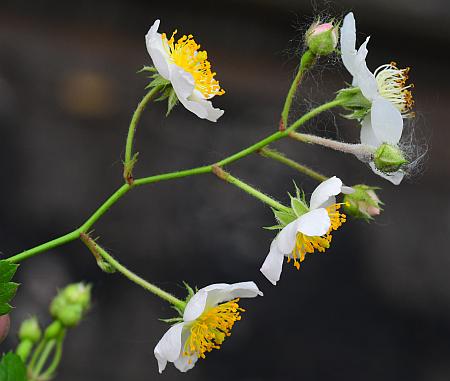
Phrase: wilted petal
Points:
(324, 191)
(169, 347)
(273, 264)
(314, 223)
(348, 43)
(387, 121)
(394, 177)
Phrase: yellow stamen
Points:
(307, 245)
(392, 85)
(185, 54)
(209, 330)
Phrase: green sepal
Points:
(7, 288)
(353, 100)
(180, 312)
(172, 101)
(299, 207)
(165, 94)
(12, 368)
(274, 227)
(158, 81)
(284, 218)
(149, 69)
(172, 320)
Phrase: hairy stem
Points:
(277, 156)
(130, 159)
(221, 174)
(49, 372)
(362, 151)
(119, 193)
(136, 278)
(308, 59)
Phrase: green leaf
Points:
(12, 368)
(7, 288)
(173, 100)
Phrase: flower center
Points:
(306, 244)
(185, 54)
(209, 331)
(392, 86)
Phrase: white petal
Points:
(169, 347)
(394, 177)
(324, 191)
(364, 77)
(367, 135)
(185, 363)
(157, 52)
(387, 121)
(195, 306)
(286, 238)
(348, 43)
(223, 292)
(314, 223)
(183, 84)
(273, 264)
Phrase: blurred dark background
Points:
(376, 307)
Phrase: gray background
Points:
(376, 307)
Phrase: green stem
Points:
(308, 59)
(36, 353)
(47, 375)
(277, 156)
(43, 358)
(169, 176)
(220, 173)
(140, 281)
(130, 159)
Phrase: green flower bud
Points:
(322, 39)
(53, 330)
(71, 303)
(78, 293)
(23, 349)
(30, 330)
(354, 101)
(71, 315)
(388, 158)
(362, 203)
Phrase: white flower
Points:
(391, 99)
(310, 231)
(188, 70)
(208, 319)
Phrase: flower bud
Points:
(30, 330)
(53, 330)
(71, 303)
(388, 158)
(24, 349)
(4, 327)
(322, 39)
(363, 202)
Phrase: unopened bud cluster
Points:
(71, 303)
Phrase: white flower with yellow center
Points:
(386, 90)
(208, 319)
(309, 232)
(188, 69)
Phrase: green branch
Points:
(277, 156)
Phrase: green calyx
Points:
(30, 330)
(354, 101)
(388, 158)
(322, 38)
(363, 203)
(71, 303)
(177, 319)
(297, 209)
(164, 85)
